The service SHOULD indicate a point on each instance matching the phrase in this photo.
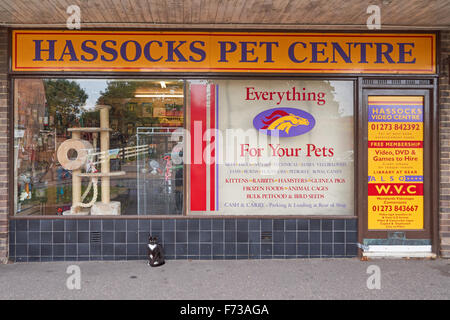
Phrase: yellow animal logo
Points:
(281, 120)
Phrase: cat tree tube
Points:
(106, 206)
(76, 182)
(104, 149)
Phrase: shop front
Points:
(224, 145)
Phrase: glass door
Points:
(397, 166)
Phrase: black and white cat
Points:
(155, 252)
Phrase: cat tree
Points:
(84, 158)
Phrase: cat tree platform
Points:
(89, 129)
(101, 174)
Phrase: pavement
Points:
(229, 279)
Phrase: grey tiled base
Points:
(205, 239)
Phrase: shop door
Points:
(396, 163)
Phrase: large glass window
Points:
(97, 147)
(117, 147)
(278, 147)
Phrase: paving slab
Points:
(229, 279)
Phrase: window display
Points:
(79, 147)
(117, 147)
(279, 147)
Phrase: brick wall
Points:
(444, 106)
(3, 146)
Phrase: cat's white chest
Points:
(152, 246)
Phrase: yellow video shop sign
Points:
(109, 51)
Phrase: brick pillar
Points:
(3, 146)
(444, 110)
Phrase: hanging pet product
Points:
(84, 159)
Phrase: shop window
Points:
(97, 147)
(251, 147)
(271, 147)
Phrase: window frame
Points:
(12, 177)
(185, 77)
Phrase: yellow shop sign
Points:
(150, 51)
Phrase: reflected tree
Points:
(65, 99)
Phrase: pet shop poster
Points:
(278, 147)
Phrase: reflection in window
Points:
(136, 128)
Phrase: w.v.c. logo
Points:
(284, 122)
